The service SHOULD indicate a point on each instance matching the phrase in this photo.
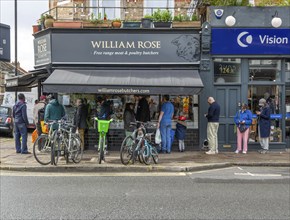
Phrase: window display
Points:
(183, 105)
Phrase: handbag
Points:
(158, 136)
(242, 128)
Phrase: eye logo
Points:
(246, 40)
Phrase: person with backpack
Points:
(38, 113)
(54, 111)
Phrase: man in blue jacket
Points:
(21, 123)
(213, 116)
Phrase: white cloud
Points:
(28, 12)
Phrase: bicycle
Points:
(43, 145)
(132, 145)
(67, 142)
(150, 150)
(103, 127)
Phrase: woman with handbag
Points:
(243, 120)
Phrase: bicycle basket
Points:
(103, 125)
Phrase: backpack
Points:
(41, 113)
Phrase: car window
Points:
(3, 111)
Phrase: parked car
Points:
(6, 120)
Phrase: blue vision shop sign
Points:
(249, 41)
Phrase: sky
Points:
(28, 12)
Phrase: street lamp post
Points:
(15, 30)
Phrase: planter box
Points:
(162, 24)
(67, 24)
(185, 24)
(87, 24)
(131, 24)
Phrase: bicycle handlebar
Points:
(96, 118)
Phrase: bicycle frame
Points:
(103, 127)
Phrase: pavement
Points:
(187, 161)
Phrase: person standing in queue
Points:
(143, 110)
(81, 120)
(53, 111)
(212, 116)
(264, 125)
(243, 118)
(129, 117)
(20, 124)
(164, 124)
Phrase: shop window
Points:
(227, 70)
(272, 95)
(183, 105)
(287, 104)
(265, 70)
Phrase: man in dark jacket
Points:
(21, 123)
(81, 119)
(143, 110)
(264, 125)
(213, 116)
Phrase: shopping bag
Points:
(34, 135)
(158, 136)
(44, 127)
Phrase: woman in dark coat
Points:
(129, 117)
(264, 125)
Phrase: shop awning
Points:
(116, 81)
(24, 83)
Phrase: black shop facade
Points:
(120, 64)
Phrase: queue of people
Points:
(48, 108)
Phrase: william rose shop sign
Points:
(174, 47)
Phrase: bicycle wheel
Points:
(145, 154)
(42, 150)
(55, 152)
(77, 150)
(127, 149)
(101, 151)
(154, 154)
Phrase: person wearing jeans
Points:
(21, 123)
(243, 117)
(164, 123)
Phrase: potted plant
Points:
(96, 22)
(131, 24)
(185, 21)
(162, 18)
(116, 23)
(48, 21)
(146, 22)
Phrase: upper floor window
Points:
(162, 4)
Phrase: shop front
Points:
(121, 65)
(250, 63)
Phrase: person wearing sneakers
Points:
(212, 116)
(264, 125)
(243, 117)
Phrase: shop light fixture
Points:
(231, 20)
(276, 21)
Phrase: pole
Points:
(15, 30)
